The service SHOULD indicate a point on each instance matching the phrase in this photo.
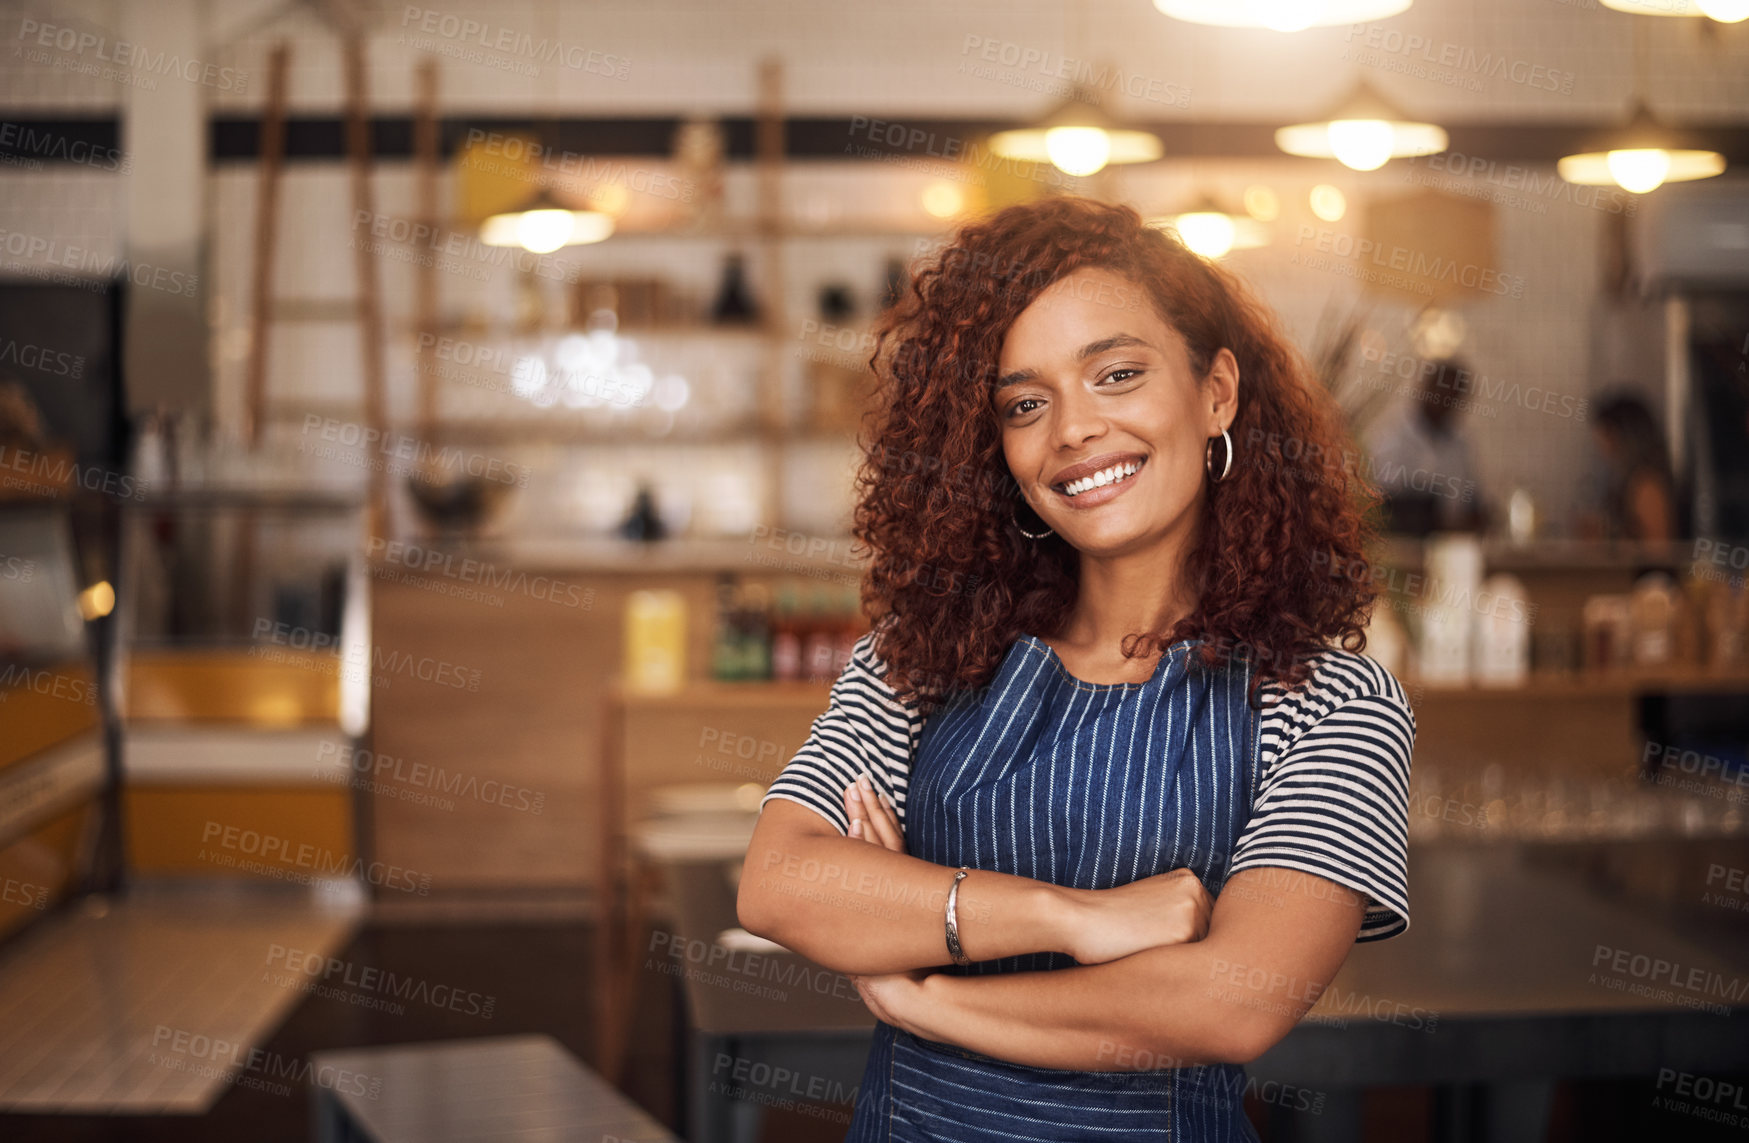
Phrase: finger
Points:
(884, 825)
(854, 808)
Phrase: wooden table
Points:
(502, 1087)
(1490, 998)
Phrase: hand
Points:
(872, 817)
(1165, 909)
(894, 997)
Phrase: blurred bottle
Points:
(655, 641)
(1607, 624)
(734, 304)
(1521, 517)
(1503, 632)
(1727, 626)
(725, 636)
(786, 635)
(755, 631)
(644, 522)
(1652, 613)
(1454, 572)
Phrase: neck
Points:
(1141, 590)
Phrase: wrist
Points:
(931, 1015)
(1063, 912)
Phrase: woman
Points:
(1637, 497)
(1117, 705)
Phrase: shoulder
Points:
(865, 684)
(1343, 686)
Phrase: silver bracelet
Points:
(953, 921)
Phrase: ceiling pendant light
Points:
(1078, 138)
(1640, 158)
(1284, 15)
(1724, 11)
(1212, 231)
(544, 225)
(1364, 132)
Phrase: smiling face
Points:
(1104, 421)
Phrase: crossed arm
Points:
(1166, 978)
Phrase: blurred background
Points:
(427, 445)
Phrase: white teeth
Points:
(1103, 477)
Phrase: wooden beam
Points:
(425, 159)
(370, 314)
(266, 239)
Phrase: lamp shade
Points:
(1640, 157)
(1211, 230)
(1280, 15)
(544, 225)
(1724, 11)
(1364, 132)
(1079, 138)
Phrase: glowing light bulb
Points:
(1363, 144)
(1261, 203)
(1208, 232)
(1639, 171)
(943, 200)
(543, 231)
(1328, 203)
(97, 601)
(1725, 11)
(1286, 15)
(1078, 151)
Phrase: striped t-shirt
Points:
(1333, 800)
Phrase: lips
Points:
(1098, 464)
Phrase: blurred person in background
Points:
(1632, 492)
(1420, 460)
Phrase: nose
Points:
(1077, 419)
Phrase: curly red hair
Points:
(952, 583)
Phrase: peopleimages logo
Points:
(1420, 265)
(89, 46)
(511, 42)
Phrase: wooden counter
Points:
(537, 723)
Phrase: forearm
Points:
(1162, 1007)
(859, 908)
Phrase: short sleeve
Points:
(1335, 804)
(865, 728)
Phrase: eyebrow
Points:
(1091, 349)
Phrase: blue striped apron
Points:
(1088, 785)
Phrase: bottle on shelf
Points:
(655, 641)
(734, 304)
(644, 522)
(726, 639)
(755, 631)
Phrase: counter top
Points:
(775, 552)
(1502, 554)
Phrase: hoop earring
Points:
(1208, 458)
(1024, 532)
